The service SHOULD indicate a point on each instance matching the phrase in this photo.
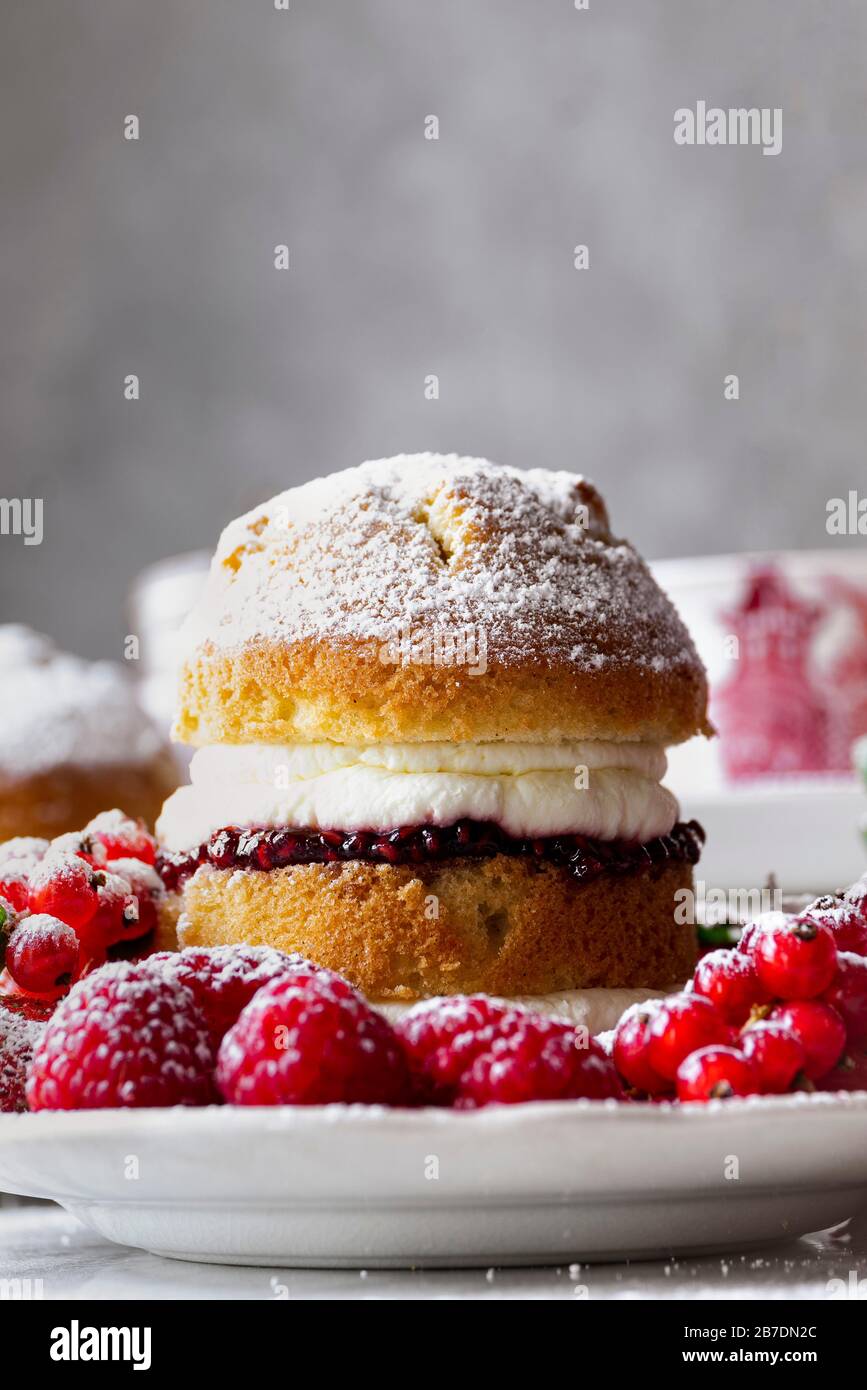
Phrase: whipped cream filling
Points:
(609, 791)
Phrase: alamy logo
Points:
(713, 125)
(438, 646)
(22, 516)
(77, 1343)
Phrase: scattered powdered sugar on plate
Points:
(439, 543)
(59, 711)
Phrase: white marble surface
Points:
(45, 1243)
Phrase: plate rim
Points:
(301, 1118)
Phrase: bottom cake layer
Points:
(502, 925)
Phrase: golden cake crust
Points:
(503, 926)
(426, 598)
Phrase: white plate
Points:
(362, 1186)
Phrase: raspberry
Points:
(777, 1055)
(122, 1037)
(42, 954)
(798, 961)
(715, 1073)
(729, 980)
(538, 1059)
(64, 886)
(683, 1024)
(443, 1037)
(309, 1039)
(223, 979)
(19, 1034)
(631, 1049)
(819, 1029)
(847, 993)
(121, 837)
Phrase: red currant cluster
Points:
(68, 905)
(787, 1010)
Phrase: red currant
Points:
(798, 961)
(146, 884)
(729, 980)
(850, 1073)
(777, 1055)
(23, 847)
(15, 885)
(42, 954)
(819, 1029)
(753, 931)
(715, 1073)
(846, 923)
(65, 886)
(631, 1047)
(80, 844)
(683, 1024)
(116, 917)
(847, 993)
(122, 838)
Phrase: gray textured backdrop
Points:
(412, 257)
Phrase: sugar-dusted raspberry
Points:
(64, 885)
(309, 1039)
(19, 1034)
(223, 979)
(42, 954)
(539, 1059)
(121, 837)
(443, 1037)
(123, 1037)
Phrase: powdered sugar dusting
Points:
(57, 710)
(18, 1037)
(431, 541)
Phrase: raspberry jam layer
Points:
(264, 848)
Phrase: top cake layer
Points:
(427, 598)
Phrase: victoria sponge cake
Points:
(430, 698)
